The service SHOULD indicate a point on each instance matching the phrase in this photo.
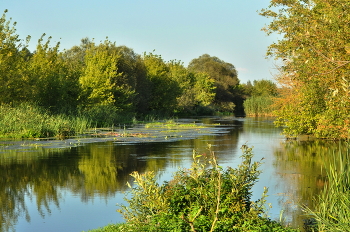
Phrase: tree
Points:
(264, 88)
(261, 98)
(52, 84)
(133, 75)
(13, 57)
(224, 74)
(315, 55)
(164, 89)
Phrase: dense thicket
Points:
(314, 50)
(100, 80)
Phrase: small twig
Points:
(191, 222)
(218, 196)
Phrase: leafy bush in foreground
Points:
(203, 198)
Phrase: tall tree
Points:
(315, 52)
(133, 76)
(224, 74)
(13, 57)
(51, 84)
(164, 89)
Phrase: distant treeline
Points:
(105, 79)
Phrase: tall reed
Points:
(31, 121)
(333, 204)
(259, 106)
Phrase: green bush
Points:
(202, 198)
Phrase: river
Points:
(76, 187)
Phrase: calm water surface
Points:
(77, 188)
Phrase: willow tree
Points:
(315, 52)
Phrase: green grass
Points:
(31, 121)
(259, 106)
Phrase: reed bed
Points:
(31, 121)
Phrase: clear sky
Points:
(175, 29)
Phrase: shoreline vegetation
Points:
(205, 197)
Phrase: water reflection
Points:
(43, 187)
(301, 165)
(85, 173)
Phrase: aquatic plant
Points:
(332, 205)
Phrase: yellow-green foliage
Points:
(315, 52)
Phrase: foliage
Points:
(106, 82)
(13, 57)
(202, 198)
(164, 89)
(108, 228)
(332, 205)
(98, 79)
(264, 88)
(224, 75)
(315, 56)
(105, 115)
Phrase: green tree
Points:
(13, 57)
(224, 74)
(204, 89)
(102, 81)
(264, 88)
(97, 81)
(52, 84)
(164, 89)
(133, 77)
(315, 55)
(260, 100)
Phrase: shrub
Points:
(203, 198)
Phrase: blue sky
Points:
(175, 29)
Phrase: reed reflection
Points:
(301, 166)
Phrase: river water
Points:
(76, 187)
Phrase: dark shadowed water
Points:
(74, 185)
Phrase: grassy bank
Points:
(31, 121)
(204, 197)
